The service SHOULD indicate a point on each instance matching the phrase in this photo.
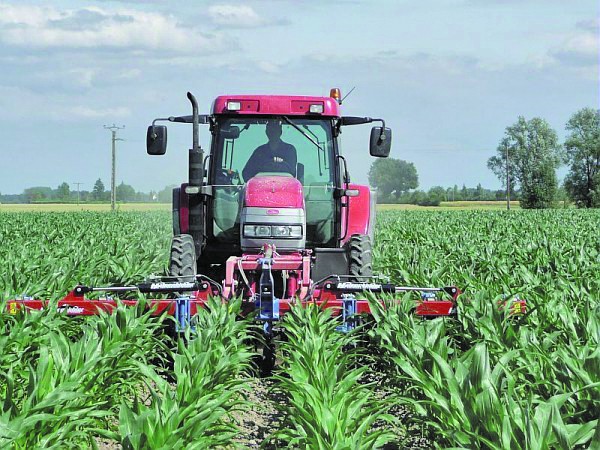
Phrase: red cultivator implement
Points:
(255, 273)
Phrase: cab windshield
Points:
(286, 145)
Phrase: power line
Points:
(78, 184)
(113, 191)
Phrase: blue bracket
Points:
(183, 314)
(348, 310)
(267, 303)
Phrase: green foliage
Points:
(391, 175)
(45, 255)
(59, 386)
(328, 407)
(490, 379)
(99, 193)
(210, 367)
(483, 380)
(63, 191)
(125, 193)
(65, 383)
(166, 195)
(534, 154)
(583, 155)
(37, 193)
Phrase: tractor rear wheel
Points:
(360, 257)
(183, 258)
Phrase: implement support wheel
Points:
(183, 258)
(360, 257)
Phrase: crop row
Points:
(70, 384)
(44, 255)
(483, 380)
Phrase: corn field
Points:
(486, 379)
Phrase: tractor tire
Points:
(360, 257)
(183, 263)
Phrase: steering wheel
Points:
(226, 176)
(287, 164)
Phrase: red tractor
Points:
(274, 182)
(269, 216)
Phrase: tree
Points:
(435, 196)
(479, 192)
(36, 194)
(63, 191)
(98, 191)
(391, 175)
(583, 155)
(166, 195)
(464, 193)
(125, 193)
(534, 154)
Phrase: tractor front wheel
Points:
(183, 258)
(360, 257)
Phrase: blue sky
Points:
(447, 75)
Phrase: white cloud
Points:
(85, 112)
(238, 16)
(83, 77)
(92, 27)
(129, 74)
(589, 25)
(268, 67)
(582, 47)
(26, 15)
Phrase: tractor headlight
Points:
(275, 231)
(316, 109)
(259, 231)
(287, 231)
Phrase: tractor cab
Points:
(274, 176)
(300, 148)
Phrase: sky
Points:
(448, 76)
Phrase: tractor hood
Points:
(273, 213)
(274, 191)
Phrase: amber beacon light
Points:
(335, 93)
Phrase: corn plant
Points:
(44, 255)
(210, 368)
(61, 390)
(470, 398)
(328, 407)
(486, 379)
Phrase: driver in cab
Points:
(274, 156)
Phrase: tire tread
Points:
(360, 256)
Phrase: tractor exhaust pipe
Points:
(195, 121)
(196, 178)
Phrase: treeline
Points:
(526, 161)
(65, 193)
(438, 194)
(397, 181)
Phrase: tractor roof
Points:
(276, 104)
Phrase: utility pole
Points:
(78, 184)
(113, 190)
(507, 181)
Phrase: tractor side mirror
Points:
(300, 172)
(156, 140)
(381, 142)
(233, 132)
